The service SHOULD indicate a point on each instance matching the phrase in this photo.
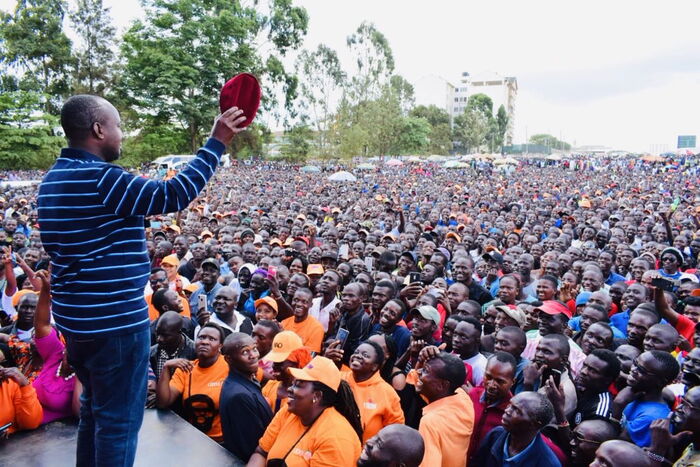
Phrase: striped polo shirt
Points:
(91, 217)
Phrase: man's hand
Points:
(203, 316)
(181, 363)
(334, 351)
(227, 124)
(662, 441)
(556, 397)
(531, 373)
(14, 374)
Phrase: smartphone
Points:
(271, 271)
(155, 225)
(556, 374)
(344, 250)
(202, 302)
(369, 263)
(413, 277)
(663, 284)
(4, 428)
(342, 336)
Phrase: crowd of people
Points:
(418, 316)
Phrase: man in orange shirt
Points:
(307, 327)
(19, 404)
(448, 419)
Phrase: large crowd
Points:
(418, 316)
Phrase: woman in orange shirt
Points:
(198, 382)
(378, 402)
(320, 425)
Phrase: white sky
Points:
(618, 73)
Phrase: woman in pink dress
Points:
(57, 387)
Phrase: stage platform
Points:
(164, 440)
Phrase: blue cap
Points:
(582, 298)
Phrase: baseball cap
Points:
(314, 269)
(428, 312)
(206, 233)
(174, 228)
(171, 260)
(513, 312)
(269, 301)
(283, 344)
(453, 235)
(242, 91)
(191, 288)
(211, 262)
(493, 255)
(582, 298)
(319, 369)
(553, 307)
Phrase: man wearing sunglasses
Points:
(641, 402)
(587, 437)
(678, 436)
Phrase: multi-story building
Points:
(501, 89)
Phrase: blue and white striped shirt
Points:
(91, 218)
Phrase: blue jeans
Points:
(114, 374)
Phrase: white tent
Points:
(436, 158)
(310, 169)
(342, 176)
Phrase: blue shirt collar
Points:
(75, 153)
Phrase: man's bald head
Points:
(394, 445)
(616, 452)
(235, 341)
(170, 320)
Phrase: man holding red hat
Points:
(552, 318)
(97, 245)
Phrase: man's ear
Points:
(97, 130)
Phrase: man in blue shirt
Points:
(642, 401)
(245, 413)
(92, 226)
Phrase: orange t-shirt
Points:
(446, 427)
(310, 330)
(20, 406)
(206, 381)
(154, 315)
(378, 402)
(331, 441)
(269, 392)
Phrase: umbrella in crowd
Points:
(653, 158)
(455, 165)
(342, 176)
(393, 163)
(436, 158)
(310, 169)
(366, 166)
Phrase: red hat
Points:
(553, 307)
(242, 91)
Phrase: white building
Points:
(501, 89)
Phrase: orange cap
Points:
(283, 344)
(319, 369)
(269, 301)
(171, 260)
(314, 269)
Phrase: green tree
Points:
(440, 138)
(179, 57)
(251, 142)
(321, 81)
(37, 50)
(404, 92)
(501, 128)
(298, 144)
(372, 62)
(94, 56)
(27, 138)
(471, 128)
(414, 136)
(481, 102)
(549, 141)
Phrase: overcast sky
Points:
(618, 73)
